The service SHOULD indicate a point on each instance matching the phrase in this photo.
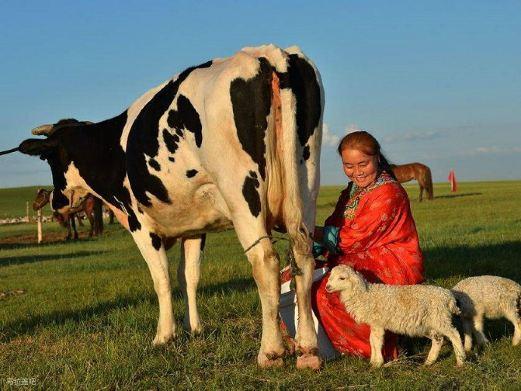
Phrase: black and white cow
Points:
(233, 142)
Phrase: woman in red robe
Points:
(371, 230)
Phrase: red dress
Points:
(378, 238)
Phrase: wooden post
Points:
(40, 239)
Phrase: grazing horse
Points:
(89, 205)
(418, 171)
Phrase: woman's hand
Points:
(317, 249)
(330, 239)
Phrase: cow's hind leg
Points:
(265, 265)
(152, 249)
(188, 274)
(306, 333)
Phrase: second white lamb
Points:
(488, 297)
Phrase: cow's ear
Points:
(38, 147)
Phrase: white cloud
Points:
(329, 139)
(492, 150)
(352, 128)
(412, 136)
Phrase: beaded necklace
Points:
(356, 194)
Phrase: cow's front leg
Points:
(188, 275)
(151, 247)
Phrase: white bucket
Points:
(288, 310)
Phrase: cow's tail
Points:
(295, 180)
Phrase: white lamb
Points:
(487, 297)
(414, 310)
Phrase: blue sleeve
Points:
(330, 239)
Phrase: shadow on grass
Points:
(19, 260)
(466, 261)
(457, 195)
(31, 243)
(238, 284)
(459, 261)
(28, 326)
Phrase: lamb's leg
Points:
(478, 330)
(467, 332)
(376, 340)
(513, 317)
(437, 343)
(453, 335)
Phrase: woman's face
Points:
(359, 167)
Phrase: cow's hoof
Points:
(376, 364)
(269, 360)
(196, 329)
(163, 339)
(309, 361)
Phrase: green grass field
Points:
(89, 311)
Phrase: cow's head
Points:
(68, 191)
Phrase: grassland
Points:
(88, 314)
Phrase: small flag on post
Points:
(452, 181)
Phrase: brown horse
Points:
(418, 171)
(90, 205)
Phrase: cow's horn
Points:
(42, 129)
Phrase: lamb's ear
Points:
(38, 147)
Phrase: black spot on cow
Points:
(284, 81)
(186, 117)
(203, 242)
(133, 223)
(251, 194)
(156, 241)
(251, 103)
(143, 139)
(191, 173)
(305, 153)
(170, 141)
(154, 164)
(304, 84)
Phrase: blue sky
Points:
(435, 81)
